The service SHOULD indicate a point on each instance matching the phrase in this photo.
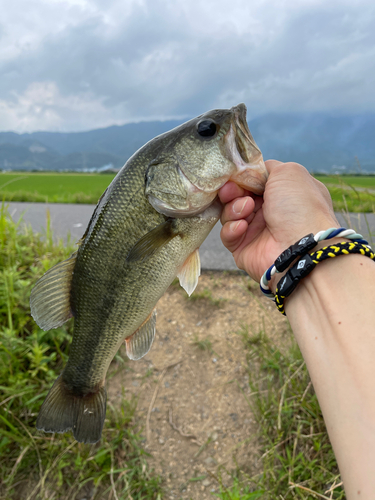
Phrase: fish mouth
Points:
(242, 163)
(251, 172)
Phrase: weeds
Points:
(202, 344)
(351, 199)
(206, 295)
(351, 193)
(238, 491)
(34, 465)
(297, 458)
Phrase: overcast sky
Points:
(69, 65)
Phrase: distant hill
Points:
(321, 142)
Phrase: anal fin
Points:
(190, 272)
(138, 344)
(50, 297)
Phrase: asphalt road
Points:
(73, 219)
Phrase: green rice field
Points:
(53, 187)
(349, 193)
(363, 181)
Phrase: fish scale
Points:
(145, 230)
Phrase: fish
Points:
(145, 230)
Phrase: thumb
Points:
(271, 164)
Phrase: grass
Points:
(53, 187)
(206, 296)
(297, 459)
(355, 201)
(202, 344)
(34, 465)
(350, 193)
(365, 181)
(238, 492)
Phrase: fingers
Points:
(237, 209)
(233, 233)
(235, 218)
(229, 191)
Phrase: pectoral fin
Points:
(190, 272)
(153, 241)
(50, 297)
(138, 344)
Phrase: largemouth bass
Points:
(146, 229)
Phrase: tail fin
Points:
(62, 410)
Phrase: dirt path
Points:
(193, 385)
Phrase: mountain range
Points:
(321, 142)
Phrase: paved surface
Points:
(73, 219)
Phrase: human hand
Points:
(256, 229)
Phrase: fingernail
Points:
(234, 225)
(238, 206)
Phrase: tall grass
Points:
(34, 465)
(297, 460)
(351, 199)
(350, 193)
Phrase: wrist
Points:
(276, 279)
(326, 279)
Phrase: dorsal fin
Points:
(190, 272)
(50, 297)
(138, 344)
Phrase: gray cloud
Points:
(98, 63)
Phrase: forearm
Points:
(331, 311)
(332, 315)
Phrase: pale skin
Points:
(331, 312)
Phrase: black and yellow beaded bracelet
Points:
(307, 263)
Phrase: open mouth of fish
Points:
(240, 148)
(249, 171)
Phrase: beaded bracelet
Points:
(302, 246)
(307, 263)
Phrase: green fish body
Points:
(145, 230)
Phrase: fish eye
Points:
(206, 128)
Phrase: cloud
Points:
(83, 64)
(42, 107)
